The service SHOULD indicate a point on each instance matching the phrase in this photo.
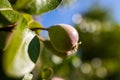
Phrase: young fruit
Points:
(50, 48)
(63, 37)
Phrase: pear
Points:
(63, 37)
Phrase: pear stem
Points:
(39, 28)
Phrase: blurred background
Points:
(97, 22)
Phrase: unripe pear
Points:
(50, 48)
(63, 37)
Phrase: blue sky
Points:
(64, 15)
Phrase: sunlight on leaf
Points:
(28, 17)
(37, 6)
(4, 4)
(16, 61)
(11, 15)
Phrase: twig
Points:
(7, 28)
(39, 28)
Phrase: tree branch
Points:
(9, 28)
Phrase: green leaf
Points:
(7, 13)
(11, 15)
(32, 23)
(16, 61)
(38, 6)
(35, 24)
(3, 21)
(5, 5)
(34, 49)
(20, 3)
(28, 17)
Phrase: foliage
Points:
(25, 55)
(19, 42)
